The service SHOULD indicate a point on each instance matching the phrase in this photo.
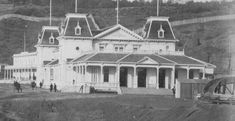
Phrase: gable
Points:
(147, 60)
(119, 34)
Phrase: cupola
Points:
(48, 36)
(158, 28)
(78, 25)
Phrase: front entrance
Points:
(162, 74)
(123, 77)
(142, 77)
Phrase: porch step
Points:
(146, 91)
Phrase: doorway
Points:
(142, 77)
(123, 77)
(162, 74)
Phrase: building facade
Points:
(80, 54)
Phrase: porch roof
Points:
(182, 59)
(137, 58)
(106, 57)
(134, 58)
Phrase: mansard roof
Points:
(47, 32)
(154, 24)
(85, 21)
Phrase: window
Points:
(119, 47)
(102, 46)
(106, 74)
(51, 39)
(77, 48)
(161, 32)
(51, 74)
(116, 49)
(136, 47)
(167, 47)
(78, 29)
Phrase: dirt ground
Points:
(41, 105)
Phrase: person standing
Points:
(55, 87)
(51, 87)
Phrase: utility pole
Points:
(117, 11)
(157, 7)
(24, 42)
(50, 11)
(76, 6)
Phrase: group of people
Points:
(53, 87)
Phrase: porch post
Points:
(10, 74)
(157, 77)
(204, 73)
(188, 72)
(7, 74)
(101, 74)
(85, 69)
(173, 77)
(117, 76)
(135, 83)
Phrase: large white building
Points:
(80, 53)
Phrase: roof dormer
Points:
(158, 28)
(48, 36)
(78, 25)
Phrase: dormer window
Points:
(78, 29)
(161, 32)
(51, 39)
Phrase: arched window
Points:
(51, 39)
(78, 29)
(161, 32)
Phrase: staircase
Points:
(146, 91)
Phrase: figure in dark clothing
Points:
(40, 84)
(55, 87)
(51, 87)
(173, 90)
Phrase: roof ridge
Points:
(165, 58)
(123, 57)
(200, 61)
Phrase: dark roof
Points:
(46, 62)
(182, 59)
(137, 57)
(155, 26)
(72, 23)
(54, 62)
(111, 57)
(91, 20)
(82, 58)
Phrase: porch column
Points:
(173, 77)
(117, 76)
(7, 75)
(204, 73)
(157, 77)
(10, 74)
(188, 69)
(101, 74)
(135, 83)
(85, 69)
